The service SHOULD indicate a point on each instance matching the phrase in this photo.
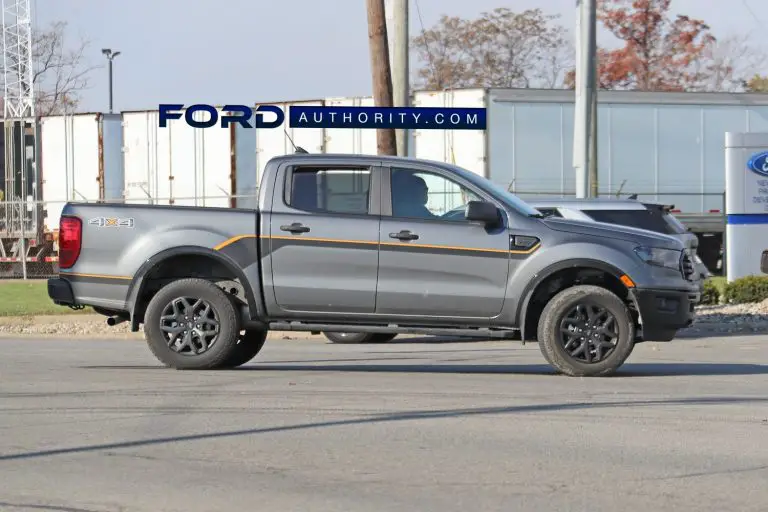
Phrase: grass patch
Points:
(28, 298)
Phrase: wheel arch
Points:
(565, 268)
(139, 281)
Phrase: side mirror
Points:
(764, 262)
(480, 211)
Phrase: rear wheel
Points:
(250, 343)
(359, 337)
(191, 324)
(586, 331)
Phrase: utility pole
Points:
(382, 78)
(397, 26)
(110, 56)
(593, 161)
(586, 50)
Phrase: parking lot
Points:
(95, 425)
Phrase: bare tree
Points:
(499, 49)
(731, 63)
(60, 73)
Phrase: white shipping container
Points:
(353, 140)
(272, 142)
(80, 159)
(465, 148)
(177, 164)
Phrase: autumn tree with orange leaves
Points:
(660, 53)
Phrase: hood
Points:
(605, 230)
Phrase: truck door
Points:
(324, 236)
(432, 261)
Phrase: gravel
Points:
(741, 318)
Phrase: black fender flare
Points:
(138, 282)
(541, 276)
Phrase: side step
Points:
(430, 331)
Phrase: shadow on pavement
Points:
(392, 417)
(627, 370)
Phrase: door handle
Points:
(404, 235)
(296, 227)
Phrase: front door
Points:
(432, 261)
(324, 235)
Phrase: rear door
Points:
(433, 262)
(324, 239)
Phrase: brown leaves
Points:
(757, 84)
(499, 49)
(659, 53)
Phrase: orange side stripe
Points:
(368, 242)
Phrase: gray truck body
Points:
(351, 272)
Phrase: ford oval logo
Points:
(759, 163)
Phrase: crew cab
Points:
(365, 243)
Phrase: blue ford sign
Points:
(759, 163)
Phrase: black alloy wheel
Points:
(588, 332)
(190, 325)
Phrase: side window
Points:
(425, 195)
(330, 190)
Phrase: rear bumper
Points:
(60, 292)
(664, 312)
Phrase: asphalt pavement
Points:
(91, 426)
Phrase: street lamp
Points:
(110, 55)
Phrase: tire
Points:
(559, 312)
(359, 337)
(250, 343)
(222, 341)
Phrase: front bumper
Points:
(60, 292)
(664, 312)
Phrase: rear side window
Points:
(330, 190)
(650, 219)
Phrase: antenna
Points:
(297, 149)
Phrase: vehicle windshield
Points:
(515, 201)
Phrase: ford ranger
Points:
(366, 244)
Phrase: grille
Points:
(686, 266)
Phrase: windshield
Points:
(515, 201)
(502, 193)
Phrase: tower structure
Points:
(20, 183)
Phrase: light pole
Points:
(110, 56)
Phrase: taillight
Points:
(70, 241)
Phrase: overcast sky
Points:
(246, 51)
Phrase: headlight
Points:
(659, 257)
(697, 259)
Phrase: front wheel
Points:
(586, 331)
(359, 337)
(191, 324)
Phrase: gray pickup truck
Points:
(351, 243)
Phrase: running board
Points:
(430, 331)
